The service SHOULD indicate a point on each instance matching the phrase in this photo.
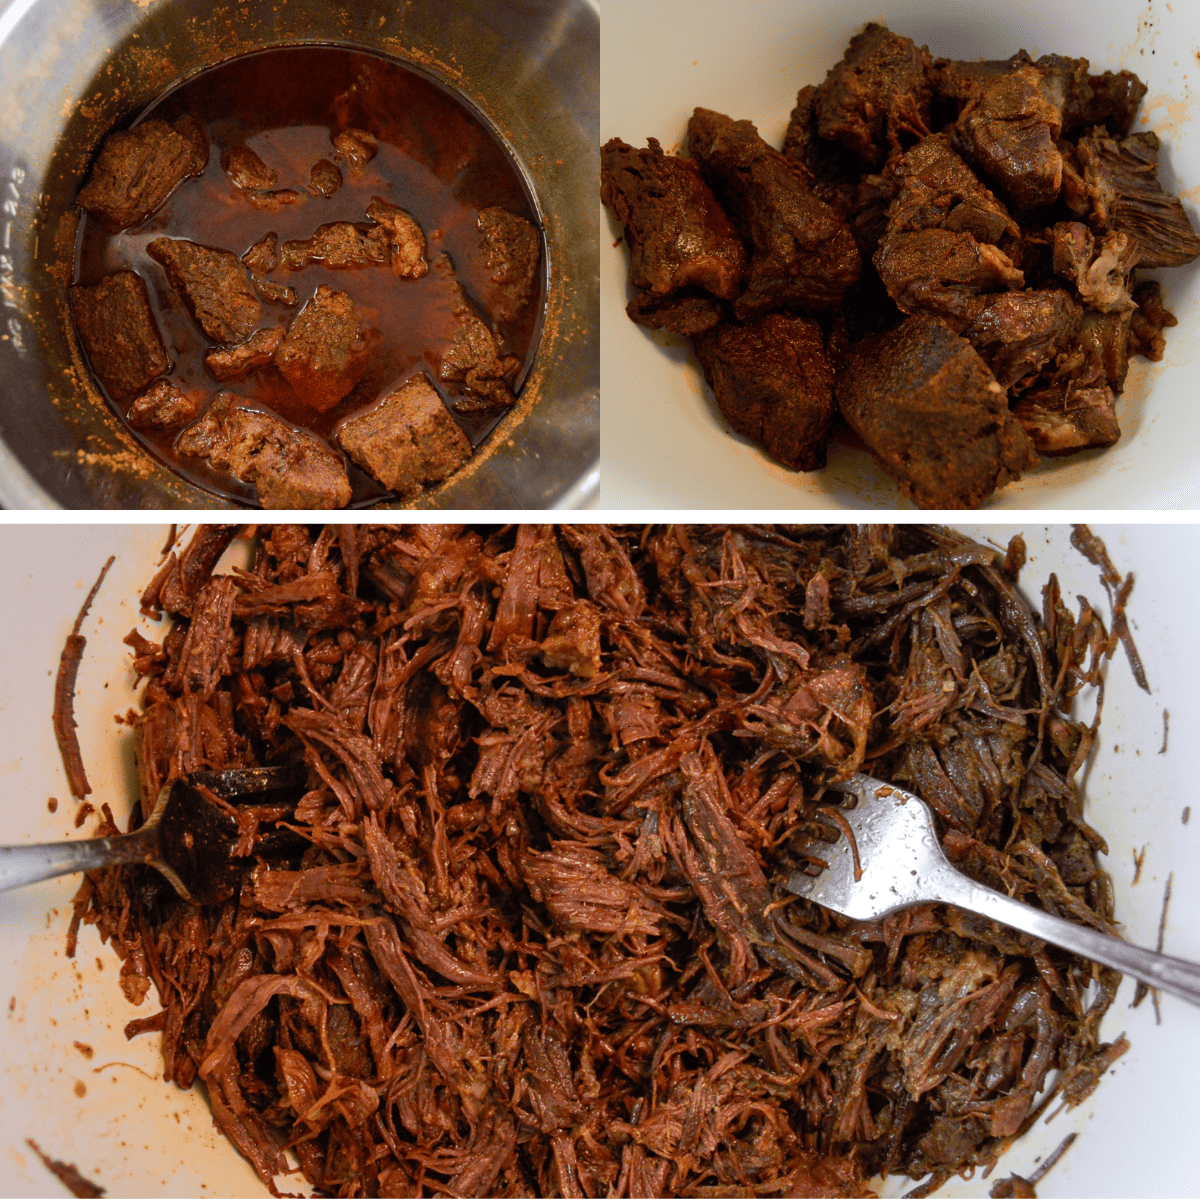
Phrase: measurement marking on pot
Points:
(8, 290)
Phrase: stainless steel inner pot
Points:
(71, 70)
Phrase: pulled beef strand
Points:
(64, 697)
(536, 945)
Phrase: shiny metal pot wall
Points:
(70, 70)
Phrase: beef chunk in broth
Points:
(510, 248)
(119, 333)
(326, 349)
(164, 406)
(238, 361)
(246, 170)
(408, 440)
(473, 366)
(683, 249)
(324, 179)
(338, 246)
(774, 385)
(931, 412)
(804, 255)
(290, 468)
(403, 236)
(213, 286)
(139, 168)
(356, 147)
(879, 90)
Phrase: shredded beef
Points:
(536, 944)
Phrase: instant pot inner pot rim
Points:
(543, 107)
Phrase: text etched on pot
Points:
(9, 207)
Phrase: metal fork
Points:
(894, 860)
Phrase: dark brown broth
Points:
(436, 159)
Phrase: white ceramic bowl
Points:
(665, 443)
(112, 1116)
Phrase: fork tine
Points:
(887, 857)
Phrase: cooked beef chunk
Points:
(1064, 420)
(1100, 273)
(681, 244)
(1009, 126)
(1110, 99)
(510, 253)
(356, 146)
(1018, 333)
(246, 170)
(1100, 354)
(326, 349)
(1122, 192)
(833, 171)
(1107, 99)
(404, 236)
(804, 255)
(289, 467)
(879, 90)
(212, 284)
(407, 440)
(774, 385)
(263, 256)
(119, 333)
(164, 406)
(339, 246)
(238, 361)
(275, 293)
(473, 365)
(139, 168)
(963, 81)
(951, 196)
(1148, 322)
(687, 311)
(942, 272)
(274, 201)
(324, 179)
(932, 414)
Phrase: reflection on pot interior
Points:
(308, 277)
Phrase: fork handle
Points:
(20, 865)
(1174, 975)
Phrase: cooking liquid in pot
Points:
(436, 160)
